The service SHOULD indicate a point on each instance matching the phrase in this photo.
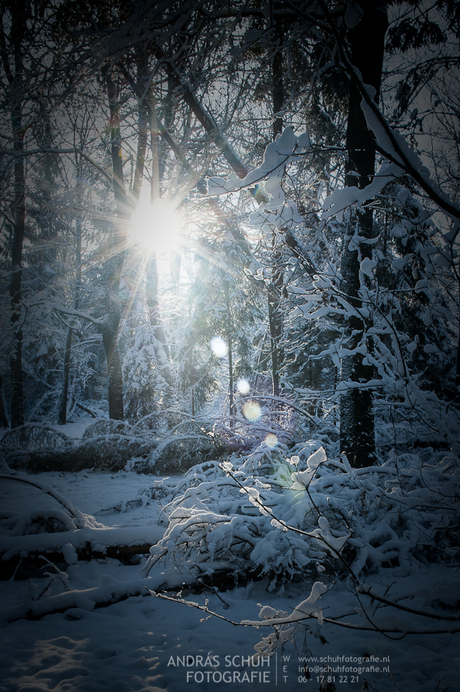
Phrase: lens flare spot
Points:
(243, 386)
(271, 440)
(251, 411)
(219, 347)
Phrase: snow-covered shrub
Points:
(106, 444)
(176, 443)
(226, 517)
(28, 444)
(267, 514)
(32, 436)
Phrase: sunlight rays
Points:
(156, 233)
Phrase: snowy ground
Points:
(142, 643)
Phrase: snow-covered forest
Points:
(230, 355)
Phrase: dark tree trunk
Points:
(457, 374)
(114, 263)
(457, 369)
(357, 434)
(275, 322)
(69, 337)
(15, 77)
(17, 387)
(3, 414)
(278, 83)
(114, 365)
(231, 387)
(65, 378)
(142, 90)
(275, 288)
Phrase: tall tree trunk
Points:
(142, 91)
(161, 347)
(15, 77)
(357, 434)
(275, 287)
(231, 386)
(65, 378)
(76, 296)
(275, 323)
(114, 263)
(17, 386)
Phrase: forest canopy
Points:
(226, 225)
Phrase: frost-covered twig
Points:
(299, 617)
(373, 595)
(193, 604)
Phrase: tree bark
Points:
(275, 288)
(15, 77)
(4, 423)
(69, 337)
(231, 387)
(17, 387)
(275, 322)
(357, 435)
(161, 347)
(142, 91)
(114, 263)
(457, 372)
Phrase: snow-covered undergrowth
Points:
(301, 524)
(313, 520)
(304, 516)
(165, 442)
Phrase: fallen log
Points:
(19, 555)
(78, 599)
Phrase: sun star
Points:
(156, 228)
